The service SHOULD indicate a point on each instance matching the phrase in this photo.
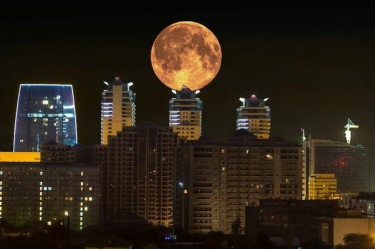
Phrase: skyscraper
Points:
(185, 114)
(349, 163)
(225, 177)
(254, 116)
(45, 112)
(138, 174)
(117, 108)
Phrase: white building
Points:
(185, 114)
(254, 117)
(117, 109)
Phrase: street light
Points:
(68, 228)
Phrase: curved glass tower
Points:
(45, 112)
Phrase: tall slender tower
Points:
(118, 108)
(45, 112)
(185, 114)
(255, 117)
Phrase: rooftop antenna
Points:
(348, 133)
(303, 134)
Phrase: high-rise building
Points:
(224, 177)
(185, 114)
(117, 108)
(323, 187)
(45, 112)
(44, 192)
(254, 116)
(349, 163)
(138, 169)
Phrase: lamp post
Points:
(67, 228)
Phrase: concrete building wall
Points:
(343, 226)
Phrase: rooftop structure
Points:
(254, 116)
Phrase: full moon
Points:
(186, 54)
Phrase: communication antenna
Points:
(348, 133)
(303, 138)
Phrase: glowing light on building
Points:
(44, 113)
(254, 116)
(117, 108)
(185, 114)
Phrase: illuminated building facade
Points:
(349, 163)
(45, 112)
(30, 157)
(225, 177)
(255, 117)
(38, 191)
(138, 170)
(117, 108)
(323, 187)
(185, 114)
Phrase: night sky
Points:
(315, 63)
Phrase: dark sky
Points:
(315, 63)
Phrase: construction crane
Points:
(348, 133)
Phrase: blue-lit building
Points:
(45, 112)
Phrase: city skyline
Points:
(314, 63)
